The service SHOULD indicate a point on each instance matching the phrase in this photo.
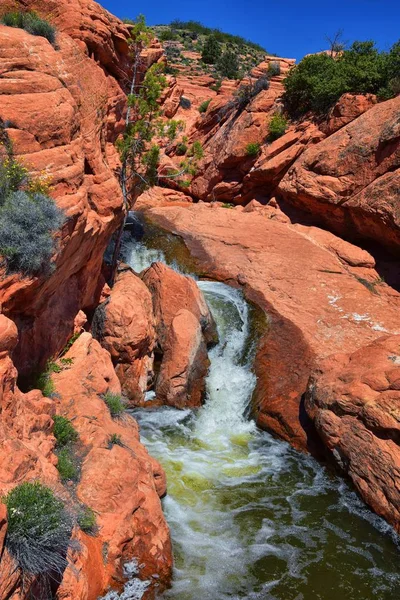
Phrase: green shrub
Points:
(13, 176)
(27, 225)
(167, 35)
(274, 69)
(114, 403)
(318, 81)
(228, 64)
(114, 440)
(253, 149)
(197, 152)
(66, 465)
(64, 431)
(87, 520)
(181, 149)
(44, 382)
(39, 529)
(277, 126)
(204, 106)
(32, 23)
(211, 51)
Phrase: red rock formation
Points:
(122, 484)
(131, 522)
(354, 401)
(125, 324)
(184, 327)
(64, 110)
(310, 284)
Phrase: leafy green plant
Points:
(227, 205)
(39, 529)
(66, 465)
(277, 126)
(204, 106)
(114, 403)
(87, 520)
(64, 431)
(32, 23)
(253, 149)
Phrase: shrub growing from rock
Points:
(253, 149)
(87, 520)
(27, 225)
(181, 149)
(114, 403)
(39, 529)
(203, 106)
(32, 23)
(277, 127)
(64, 432)
(66, 465)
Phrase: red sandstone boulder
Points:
(184, 327)
(354, 401)
(124, 325)
(348, 108)
(185, 363)
(349, 181)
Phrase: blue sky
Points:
(289, 28)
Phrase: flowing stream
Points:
(250, 517)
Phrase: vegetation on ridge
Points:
(319, 80)
(32, 23)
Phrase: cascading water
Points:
(250, 517)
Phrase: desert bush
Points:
(211, 51)
(277, 126)
(114, 403)
(181, 149)
(204, 105)
(274, 69)
(228, 64)
(13, 176)
(318, 81)
(32, 23)
(66, 465)
(87, 520)
(44, 382)
(247, 92)
(253, 149)
(196, 151)
(27, 225)
(39, 529)
(64, 432)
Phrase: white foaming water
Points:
(250, 517)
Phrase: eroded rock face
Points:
(121, 483)
(354, 401)
(312, 285)
(124, 325)
(184, 327)
(63, 109)
(350, 180)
